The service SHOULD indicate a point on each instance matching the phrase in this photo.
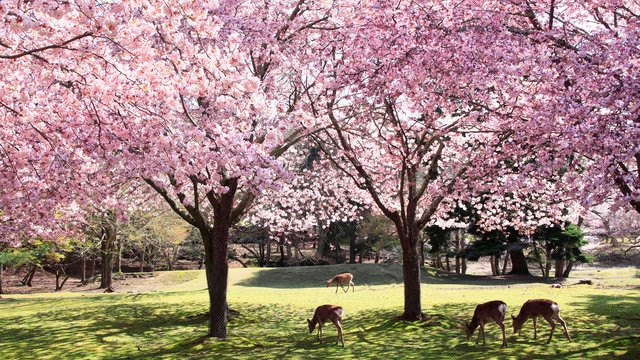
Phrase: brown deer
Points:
(326, 313)
(489, 311)
(532, 309)
(340, 279)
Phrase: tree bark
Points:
(409, 240)
(216, 244)
(118, 260)
(217, 270)
(505, 263)
(559, 267)
(29, 276)
(411, 272)
(352, 248)
(267, 256)
(492, 261)
(106, 252)
(93, 265)
(83, 270)
(567, 269)
(518, 262)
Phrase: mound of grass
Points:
(269, 308)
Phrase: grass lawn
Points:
(269, 308)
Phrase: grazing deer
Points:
(492, 310)
(326, 313)
(532, 309)
(344, 278)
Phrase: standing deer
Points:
(326, 313)
(532, 309)
(344, 278)
(492, 310)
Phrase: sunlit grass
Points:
(269, 308)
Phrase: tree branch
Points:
(44, 48)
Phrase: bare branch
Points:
(44, 48)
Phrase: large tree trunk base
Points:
(413, 317)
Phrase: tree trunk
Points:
(338, 253)
(267, 257)
(93, 265)
(411, 273)
(290, 254)
(216, 244)
(352, 249)
(118, 265)
(59, 274)
(505, 263)
(547, 265)
(106, 252)
(28, 278)
(409, 240)
(321, 251)
(492, 261)
(217, 269)
(518, 262)
(1, 271)
(559, 267)
(282, 256)
(83, 270)
(261, 253)
(567, 269)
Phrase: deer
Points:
(340, 279)
(326, 313)
(532, 309)
(489, 311)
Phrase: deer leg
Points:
(482, 332)
(337, 288)
(342, 286)
(553, 327)
(320, 331)
(504, 336)
(340, 335)
(564, 325)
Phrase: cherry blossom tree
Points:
(194, 99)
(428, 99)
(414, 113)
(309, 203)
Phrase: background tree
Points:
(12, 257)
(379, 236)
(559, 245)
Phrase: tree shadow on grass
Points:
(618, 319)
(147, 326)
(373, 274)
(317, 276)
(120, 326)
